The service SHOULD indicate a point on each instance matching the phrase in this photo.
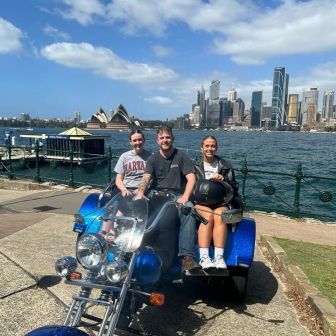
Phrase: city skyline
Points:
(79, 55)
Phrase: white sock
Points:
(219, 252)
(204, 251)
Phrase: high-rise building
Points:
(232, 95)
(214, 89)
(328, 102)
(197, 115)
(24, 116)
(309, 106)
(279, 97)
(225, 111)
(256, 107)
(293, 108)
(266, 111)
(77, 117)
(212, 113)
(183, 123)
(201, 104)
(238, 108)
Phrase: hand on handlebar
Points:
(186, 210)
(182, 200)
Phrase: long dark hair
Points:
(136, 131)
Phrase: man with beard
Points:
(171, 170)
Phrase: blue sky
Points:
(62, 56)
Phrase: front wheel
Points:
(57, 331)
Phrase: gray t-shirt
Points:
(132, 167)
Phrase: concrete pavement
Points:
(36, 228)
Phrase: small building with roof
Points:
(82, 145)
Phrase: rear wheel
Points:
(238, 280)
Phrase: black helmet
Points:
(213, 192)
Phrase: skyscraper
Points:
(309, 106)
(201, 104)
(232, 95)
(238, 108)
(77, 117)
(197, 115)
(213, 113)
(279, 97)
(328, 102)
(214, 89)
(256, 107)
(293, 108)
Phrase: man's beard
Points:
(166, 149)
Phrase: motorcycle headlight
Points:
(91, 251)
(116, 271)
(65, 266)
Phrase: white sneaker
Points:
(206, 262)
(219, 263)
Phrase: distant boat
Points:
(29, 129)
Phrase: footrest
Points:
(208, 272)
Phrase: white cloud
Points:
(209, 16)
(83, 11)
(247, 33)
(322, 76)
(159, 100)
(105, 62)
(56, 33)
(10, 37)
(155, 16)
(292, 28)
(162, 51)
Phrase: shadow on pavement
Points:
(49, 281)
(51, 201)
(182, 312)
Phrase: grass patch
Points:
(317, 261)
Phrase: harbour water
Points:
(277, 152)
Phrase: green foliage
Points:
(317, 261)
(40, 123)
(157, 123)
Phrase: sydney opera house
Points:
(117, 119)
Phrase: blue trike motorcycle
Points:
(126, 249)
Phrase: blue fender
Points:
(240, 243)
(239, 249)
(91, 213)
(56, 331)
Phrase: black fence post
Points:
(37, 161)
(298, 177)
(109, 164)
(71, 180)
(244, 177)
(9, 148)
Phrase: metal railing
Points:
(295, 193)
(33, 163)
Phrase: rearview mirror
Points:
(232, 216)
